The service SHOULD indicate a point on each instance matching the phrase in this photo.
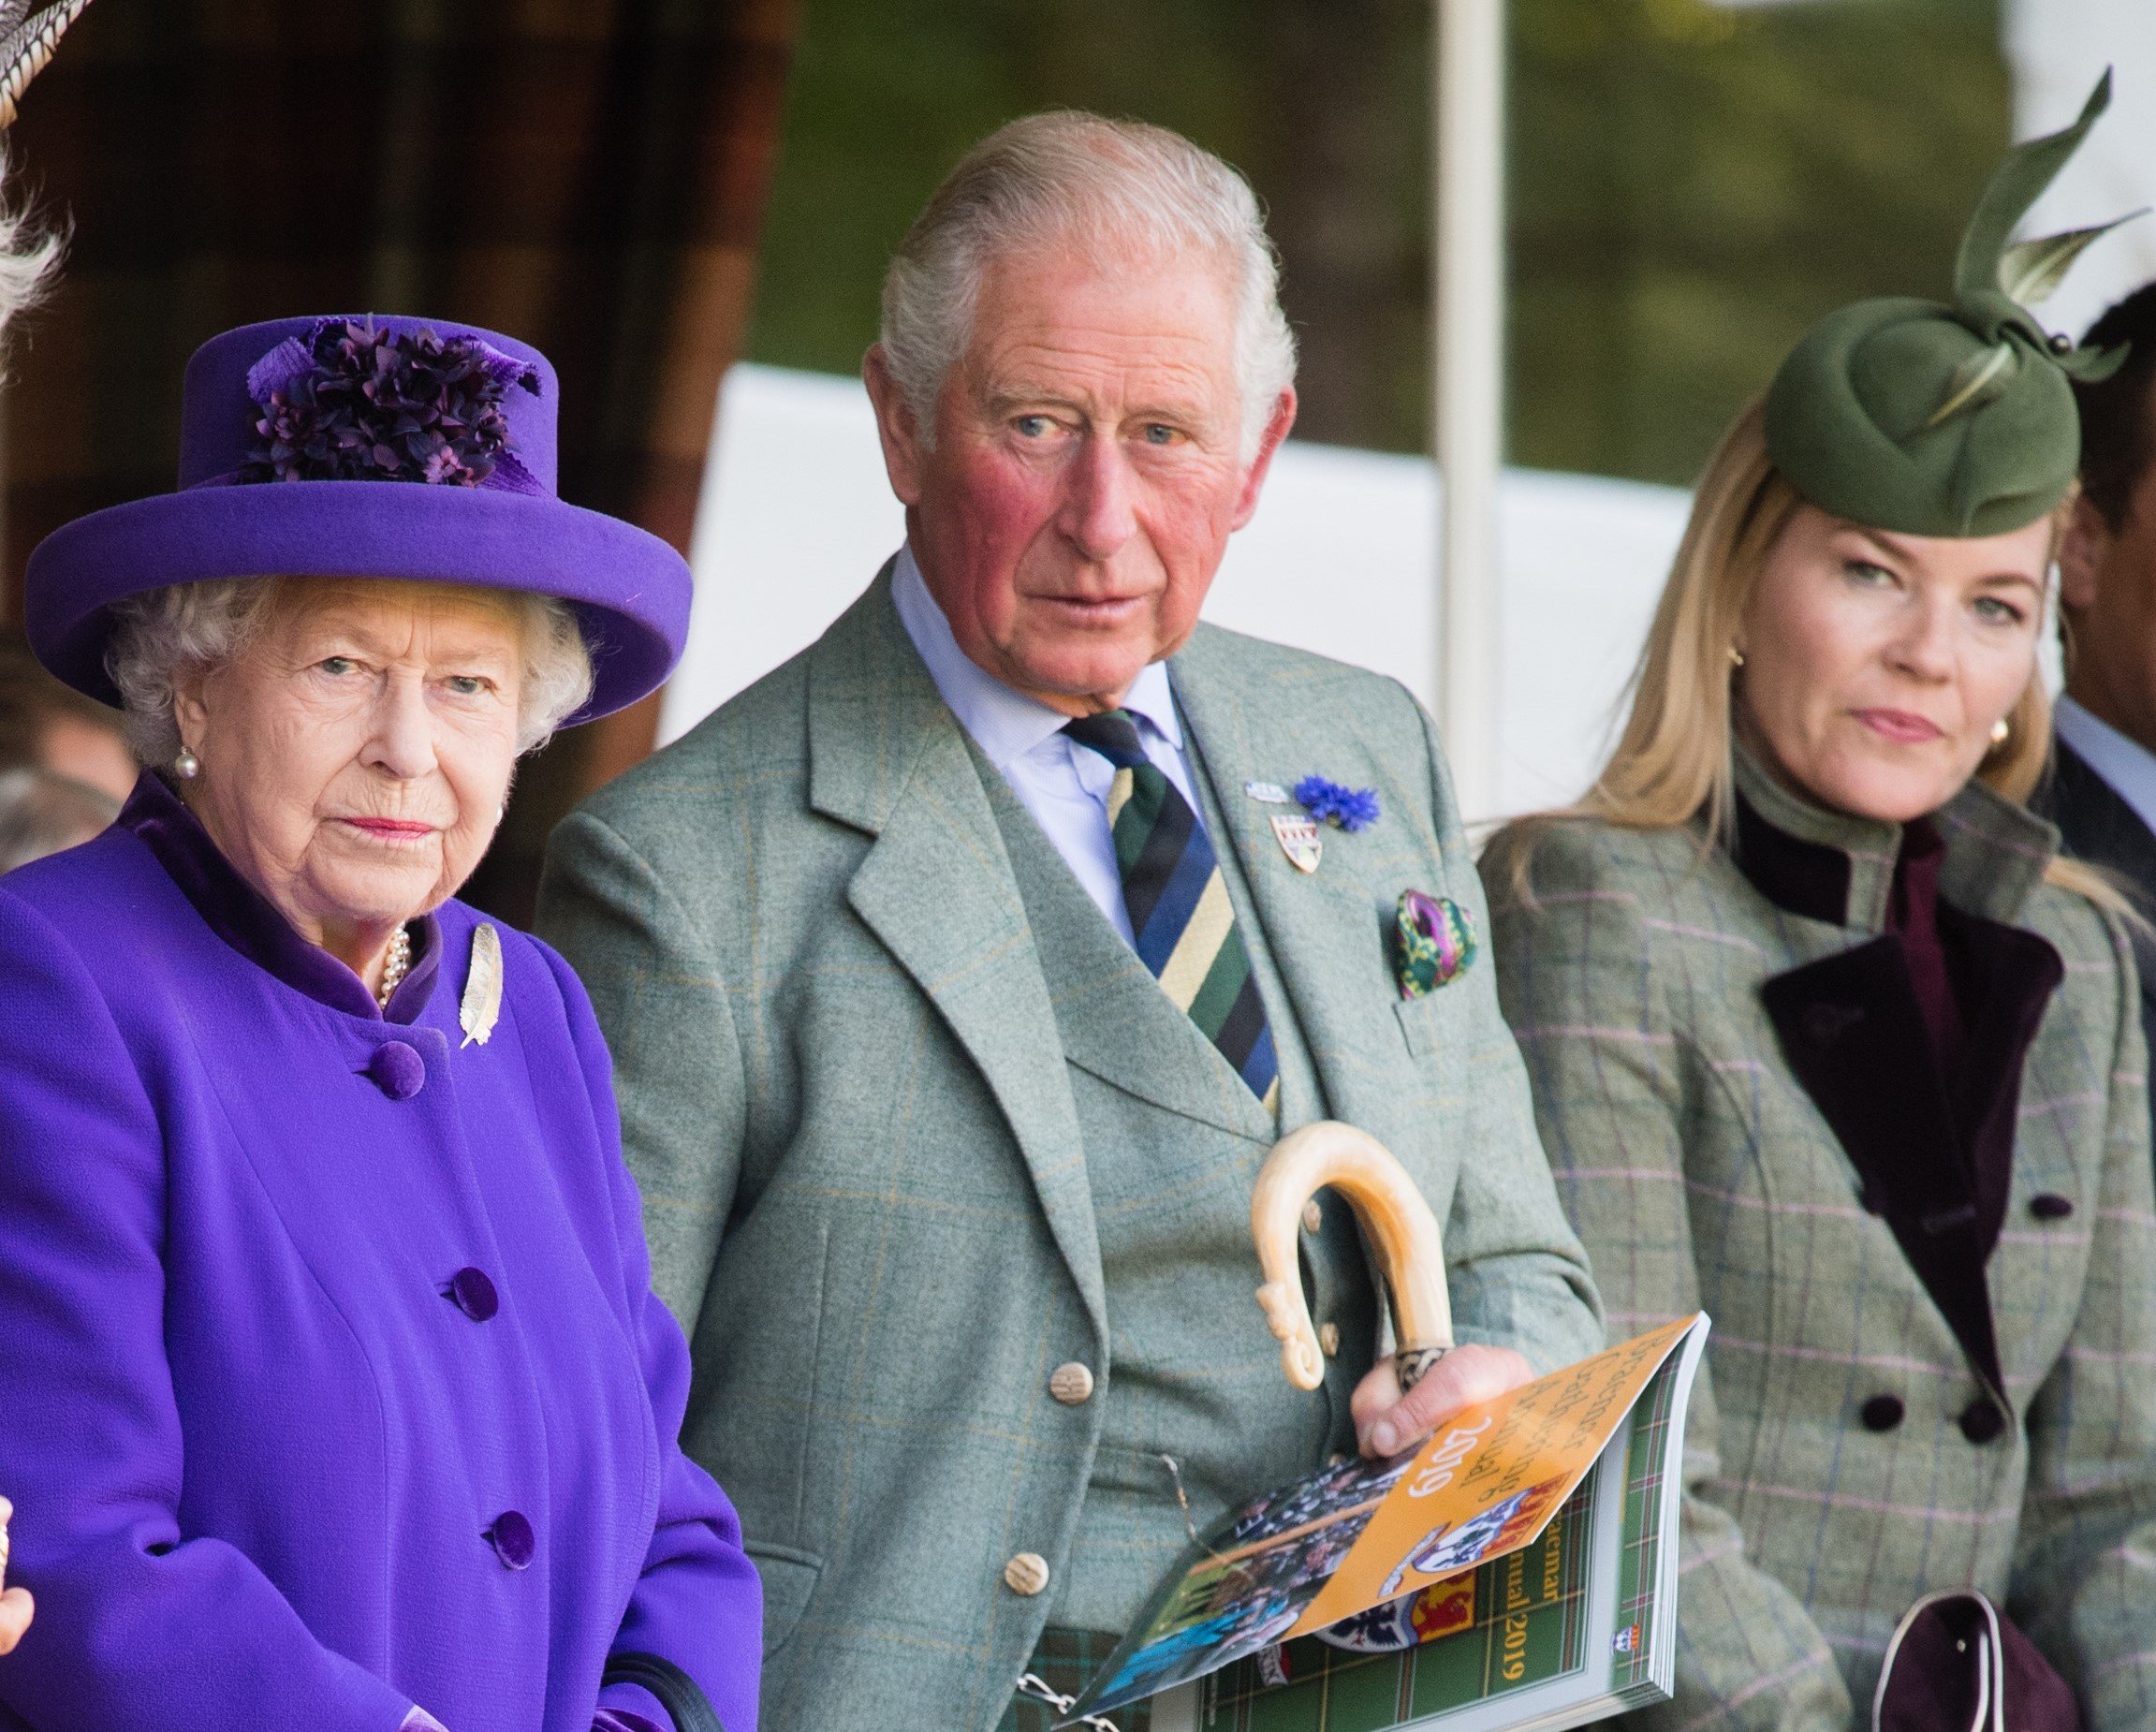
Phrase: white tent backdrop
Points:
(796, 518)
(2057, 50)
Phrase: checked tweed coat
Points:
(1843, 1454)
(851, 1100)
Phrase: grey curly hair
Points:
(1050, 177)
(162, 632)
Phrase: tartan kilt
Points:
(1065, 1661)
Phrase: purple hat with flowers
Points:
(367, 448)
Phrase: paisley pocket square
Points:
(1435, 943)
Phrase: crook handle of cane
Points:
(1395, 1219)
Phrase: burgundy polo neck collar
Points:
(243, 918)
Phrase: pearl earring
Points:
(187, 766)
(1999, 729)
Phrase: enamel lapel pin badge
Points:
(1299, 840)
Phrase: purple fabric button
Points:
(1881, 1413)
(398, 1070)
(512, 1539)
(474, 1293)
(2050, 1206)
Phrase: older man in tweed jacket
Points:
(1859, 1433)
(960, 974)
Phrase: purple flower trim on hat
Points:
(1328, 802)
(356, 402)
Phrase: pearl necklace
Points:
(395, 966)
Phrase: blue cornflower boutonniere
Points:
(1328, 802)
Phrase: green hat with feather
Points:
(1948, 418)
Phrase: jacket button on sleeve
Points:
(1981, 1421)
(1071, 1384)
(513, 1540)
(1881, 1413)
(2050, 1206)
(397, 1070)
(473, 1293)
(1026, 1574)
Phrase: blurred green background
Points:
(1689, 183)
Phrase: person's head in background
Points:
(45, 727)
(42, 813)
(2107, 560)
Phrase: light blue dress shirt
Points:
(1063, 784)
(2127, 765)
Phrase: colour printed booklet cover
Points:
(1518, 1569)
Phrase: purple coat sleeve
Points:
(136, 1628)
(699, 1601)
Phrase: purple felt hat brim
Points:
(630, 589)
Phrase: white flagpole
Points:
(1467, 284)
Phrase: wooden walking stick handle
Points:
(1395, 1218)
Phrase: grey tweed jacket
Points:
(1845, 1453)
(844, 1093)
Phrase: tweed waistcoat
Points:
(1866, 1427)
(1173, 1140)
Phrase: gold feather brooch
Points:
(27, 41)
(481, 1006)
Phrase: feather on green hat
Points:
(1936, 419)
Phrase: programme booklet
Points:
(1517, 1570)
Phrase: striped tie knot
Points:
(1113, 733)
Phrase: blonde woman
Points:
(1826, 1041)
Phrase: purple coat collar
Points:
(243, 919)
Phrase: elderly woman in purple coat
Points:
(334, 1392)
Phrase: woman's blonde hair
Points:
(1672, 764)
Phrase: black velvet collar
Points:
(243, 919)
(1936, 1161)
(1997, 851)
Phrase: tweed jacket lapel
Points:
(1935, 1164)
(888, 757)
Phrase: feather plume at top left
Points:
(27, 41)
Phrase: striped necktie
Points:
(1181, 918)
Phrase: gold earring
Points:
(1736, 656)
(1999, 729)
(187, 766)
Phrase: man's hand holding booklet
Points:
(1517, 1569)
